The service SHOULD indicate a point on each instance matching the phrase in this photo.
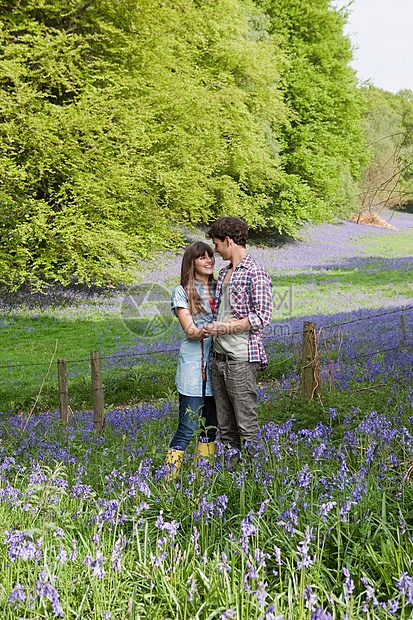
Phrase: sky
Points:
(381, 32)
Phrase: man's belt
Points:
(222, 357)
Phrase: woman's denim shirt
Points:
(188, 378)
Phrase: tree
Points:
(323, 145)
(118, 120)
(388, 125)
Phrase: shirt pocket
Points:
(239, 296)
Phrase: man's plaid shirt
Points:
(250, 295)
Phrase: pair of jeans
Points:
(191, 409)
(234, 384)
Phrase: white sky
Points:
(381, 32)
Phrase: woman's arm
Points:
(188, 325)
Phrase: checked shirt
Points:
(250, 295)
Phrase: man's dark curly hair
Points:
(233, 227)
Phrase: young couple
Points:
(223, 320)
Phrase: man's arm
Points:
(262, 301)
(232, 326)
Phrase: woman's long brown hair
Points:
(192, 252)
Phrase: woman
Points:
(193, 303)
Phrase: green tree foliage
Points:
(388, 124)
(117, 119)
(323, 145)
(69, 168)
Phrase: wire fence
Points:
(291, 335)
(328, 349)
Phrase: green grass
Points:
(286, 404)
(33, 340)
(397, 244)
(347, 289)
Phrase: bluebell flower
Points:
(321, 614)
(194, 540)
(302, 549)
(309, 597)
(261, 592)
(277, 555)
(223, 566)
(62, 555)
(392, 606)
(158, 559)
(18, 594)
(45, 588)
(73, 554)
(349, 583)
(191, 589)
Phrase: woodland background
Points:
(121, 121)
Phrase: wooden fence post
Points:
(98, 397)
(310, 379)
(63, 393)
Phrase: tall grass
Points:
(320, 527)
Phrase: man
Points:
(243, 308)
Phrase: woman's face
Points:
(204, 265)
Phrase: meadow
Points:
(321, 528)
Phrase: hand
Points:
(215, 328)
(206, 332)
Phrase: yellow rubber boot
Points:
(173, 460)
(204, 449)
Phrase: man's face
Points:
(222, 247)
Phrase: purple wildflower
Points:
(194, 540)
(18, 594)
(302, 549)
(277, 555)
(73, 555)
(62, 555)
(325, 509)
(392, 606)
(349, 583)
(96, 564)
(262, 508)
(270, 614)
(44, 588)
(405, 586)
(223, 566)
(248, 529)
(310, 597)
(158, 559)
(261, 592)
(117, 553)
(191, 589)
(321, 614)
